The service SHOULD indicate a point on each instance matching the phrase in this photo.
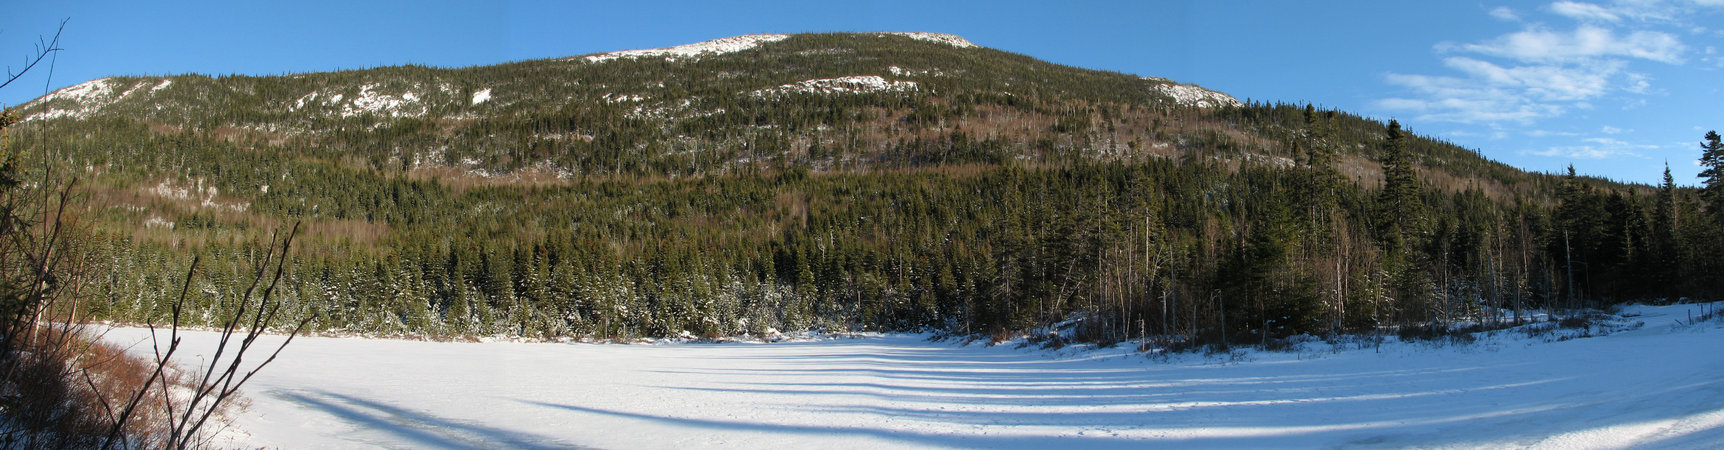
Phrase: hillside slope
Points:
(825, 101)
(896, 181)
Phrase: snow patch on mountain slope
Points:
(902, 72)
(88, 98)
(155, 221)
(707, 48)
(406, 104)
(370, 100)
(682, 110)
(82, 92)
(619, 98)
(481, 96)
(204, 196)
(54, 114)
(943, 38)
(841, 85)
(310, 99)
(1188, 95)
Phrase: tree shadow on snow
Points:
(1483, 402)
(902, 436)
(419, 429)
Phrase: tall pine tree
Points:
(1401, 222)
(1712, 177)
(1398, 202)
(1663, 242)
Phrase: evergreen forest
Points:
(833, 182)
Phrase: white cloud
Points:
(1542, 72)
(1606, 141)
(1586, 152)
(1663, 12)
(1613, 130)
(1543, 82)
(1637, 83)
(1584, 11)
(1583, 43)
(1504, 13)
(1596, 148)
(1464, 100)
(1711, 57)
(1488, 92)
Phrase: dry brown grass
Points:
(69, 388)
(115, 376)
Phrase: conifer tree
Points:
(1398, 203)
(1712, 177)
(1663, 241)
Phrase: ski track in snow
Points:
(1657, 386)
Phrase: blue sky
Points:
(1614, 87)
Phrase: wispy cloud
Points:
(1505, 13)
(1541, 72)
(1463, 100)
(1584, 11)
(1586, 42)
(1596, 148)
(1710, 56)
(1488, 92)
(1581, 152)
(1662, 12)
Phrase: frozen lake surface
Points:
(1658, 385)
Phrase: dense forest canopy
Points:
(836, 181)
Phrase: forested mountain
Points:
(896, 181)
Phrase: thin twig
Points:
(42, 51)
(161, 363)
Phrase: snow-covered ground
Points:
(707, 48)
(1189, 95)
(943, 38)
(1658, 385)
(841, 85)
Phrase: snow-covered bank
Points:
(1657, 385)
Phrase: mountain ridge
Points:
(838, 181)
(96, 90)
